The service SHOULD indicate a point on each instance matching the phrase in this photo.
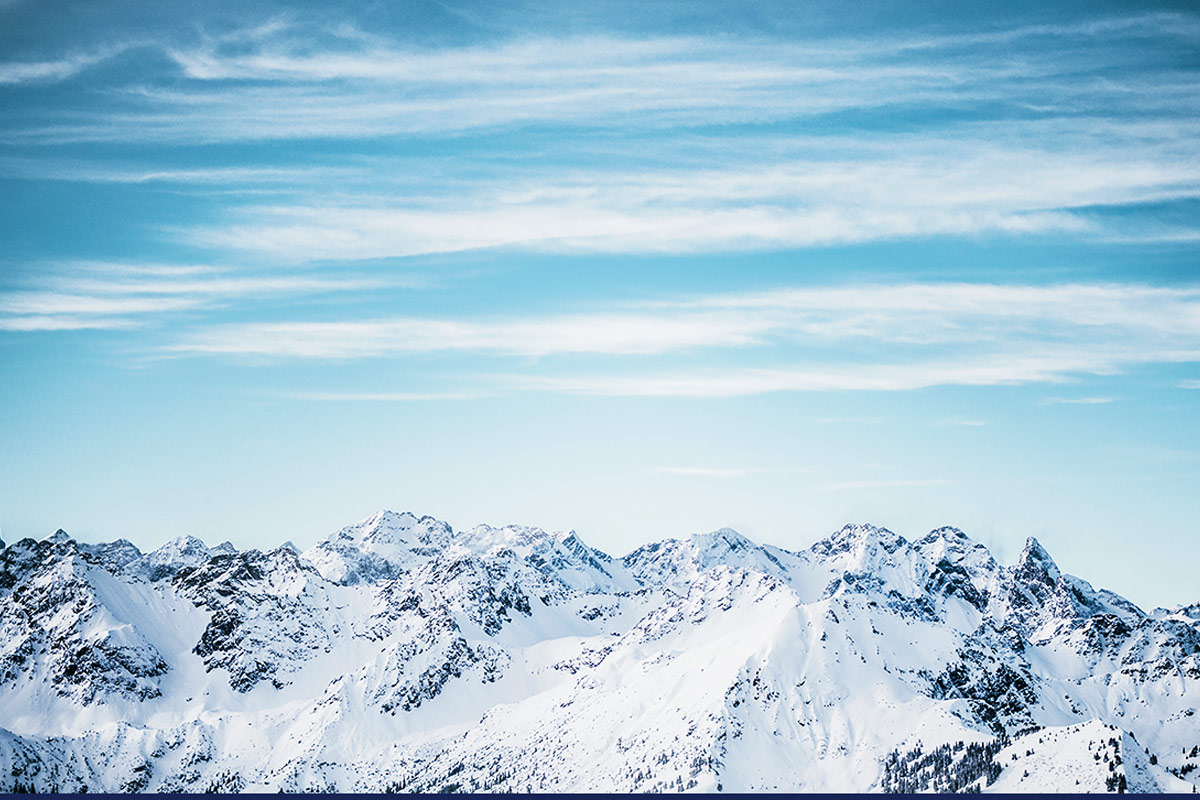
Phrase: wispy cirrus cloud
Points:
(1076, 401)
(791, 199)
(1015, 139)
(282, 49)
(917, 336)
(270, 81)
(946, 312)
(983, 369)
(1105, 318)
(55, 69)
(1029, 180)
(250, 177)
(364, 233)
(103, 295)
(843, 486)
(623, 333)
(849, 486)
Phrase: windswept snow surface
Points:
(398, 654)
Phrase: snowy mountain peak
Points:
(947, 538)
(387, 517)
(182, 545)
(1036, 566)
(950, 546)
(386, 521)
(561, 558)
(858, 537)
(114, 556)
(484, 538)
(58, 537)
(677, 563)
(388, 528)
(378, 547)
(722, 540)
(180, 552)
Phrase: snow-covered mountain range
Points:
(401, 655)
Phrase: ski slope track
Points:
(401, 655)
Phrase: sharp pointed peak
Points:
(1035, 550)
(1036, 559)
(58, 537)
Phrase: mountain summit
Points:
(398, 654)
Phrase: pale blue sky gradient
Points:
(640, 272)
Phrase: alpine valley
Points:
(399, 655)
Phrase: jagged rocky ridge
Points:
(401, 655)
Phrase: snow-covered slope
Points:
(399, 654)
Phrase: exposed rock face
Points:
(58, 622)
(401, 654)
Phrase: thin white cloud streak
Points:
(965, 189)
(923, 335)
(280, 50)
(54, 70)
(99, 295)
(1117, 318)
(840, 486)
(586, 333)
(53, 303)
(704, 472)
(280, 86)
(278, 57)
(255, 113)
(229, 286)
(1075, 401)
(385, 397)
(1010, 369)
(346, 233)
(39, 323)
(1189, 384)
(1035, 181)
(84, 172)
(949, 312)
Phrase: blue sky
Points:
(640, 272)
